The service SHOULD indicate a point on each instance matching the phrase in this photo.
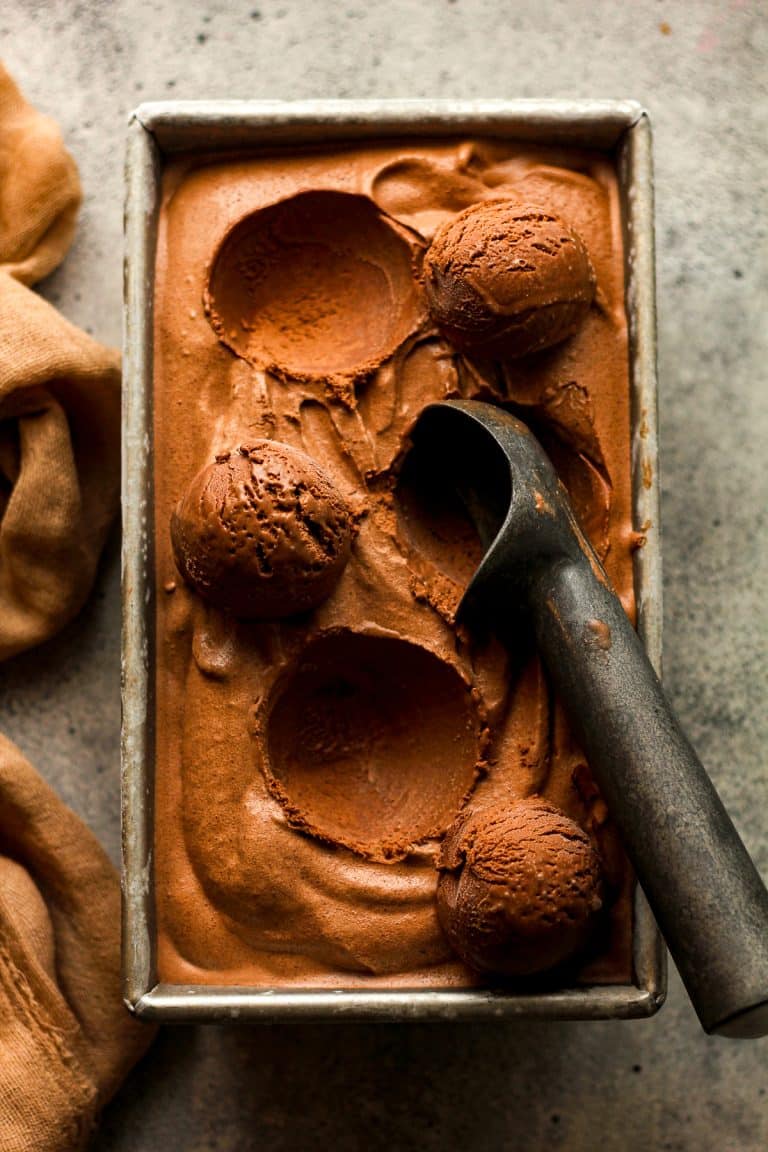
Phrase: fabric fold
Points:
(59, 465)
(66, 1039)
(59, 395)
(39, 189)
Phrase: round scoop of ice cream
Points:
(262, 532)
(520, 888)
(505, 279)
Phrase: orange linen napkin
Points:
(59, 395)
(66, 1040)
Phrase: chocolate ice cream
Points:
(507, 279)
(308, 766)
(285, 282)
(520, 888)
(262, 531)
(373, 744)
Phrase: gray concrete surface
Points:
(701, 67)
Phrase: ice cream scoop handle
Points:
(705, 892)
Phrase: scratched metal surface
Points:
(162, 128)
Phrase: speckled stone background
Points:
(701, 67)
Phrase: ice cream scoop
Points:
(520, 888)
(506, 279)
(708, 898)
(262, 531)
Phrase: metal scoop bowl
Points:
(706, 894)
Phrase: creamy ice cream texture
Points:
(373, 744)
(508, 279)
(520, 888)
(287, 283)
(311, 759)
(262, 531)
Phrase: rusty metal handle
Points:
(706, 894)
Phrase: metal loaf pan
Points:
(620, 128)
